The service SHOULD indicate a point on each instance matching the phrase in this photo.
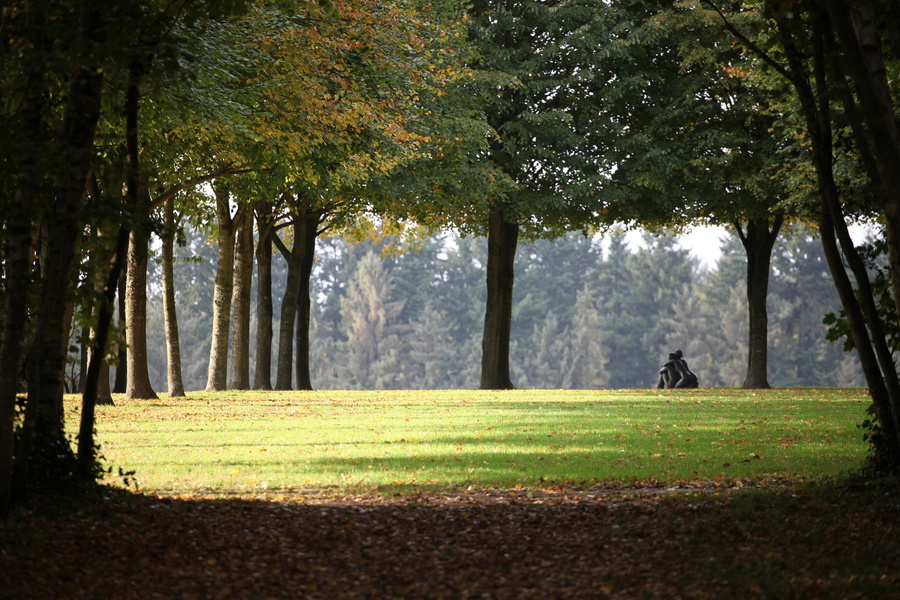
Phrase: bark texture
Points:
(814, 96)
(306, 244)
(239, 378)
(262, 374)
(170, 312)
(502, 241)
(42, 432)
(138, 384)
(758, 240)
(218, 351)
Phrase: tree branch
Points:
(750, 44)
(195, 181)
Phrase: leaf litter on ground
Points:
(825, 540)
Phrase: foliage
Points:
(694, 137)
(874, 253)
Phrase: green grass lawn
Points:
(249, 442)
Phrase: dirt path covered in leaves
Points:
(828, 542)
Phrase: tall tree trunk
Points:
(42, 432)
(240, 303)
(98, 367)
(288, 310)
(262, 375)
(121, 381)
(858, 27)
(758, 242)
(502, 240)
(880, 373)
(83, 357)
(218, 352)
(170, 313)
(101, 259)
(138, 382)
(17, 267)
(306, 244)
(136, 203)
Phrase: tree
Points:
(590, 361)
(541, 145)
(239, 378)
(173, 340)
(836, 56)
(42, 439)
(57, 58)
(802, 294)
(262, 373)
(218, 354)
(369, 314)
(431, 349)
(701, 147)
(634, 297)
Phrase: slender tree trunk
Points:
(170, 313)
(138, 382)
(240, 303)
(218, 352)
(83, 358)
(121, 381)
(306, 244)
(262, 375)
(17, 267)
(858, 28)
(42, 432)
(101, 260)
(96, 371)
(881, 375)
(288, 311)
(502, 240)
(758, 242)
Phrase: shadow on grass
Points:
(823, 541)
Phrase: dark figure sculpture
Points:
(689, 379)
(669, 374)
(675, 373)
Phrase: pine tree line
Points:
(588, 313)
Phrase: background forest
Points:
(588, 313)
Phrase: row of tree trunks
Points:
(42, 430)
(295, 304)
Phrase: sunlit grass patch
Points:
(351, 440)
